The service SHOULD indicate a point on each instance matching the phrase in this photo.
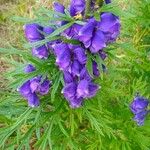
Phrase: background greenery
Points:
(104, 122)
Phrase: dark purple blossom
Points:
(107, 1)
(60, 9)
(95, 35)
(86, 89)
(29, 68)
(139, 104)
(33, 100)
(41, 52)
(110, 26)
(77, 7)
(139, 107)
(140, 117)
(31, 87)
(32, 32)
(63, 56)
(72, 60)
(78, 88)
(92, 37)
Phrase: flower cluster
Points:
(93, 37)
(139, 107)
(34, 86)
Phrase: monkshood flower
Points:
(107, 1)
(76, 10)
(95, 35)
(96, 71)
(77, 7)
(34, 86)
(139, 107)
(71, 60)
(33, 33)
(77, 89)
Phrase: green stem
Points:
(87, 8)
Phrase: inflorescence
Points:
(93, 37)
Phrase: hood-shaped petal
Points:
(25, 90)
(83, 89)
(29, 68)
(85, 75)
(32, 32)
(33, 100)
(68, 78)
(44, 87)
(69, 91)
(76, 67)
(139, 104)
(108, 20)
(86, 32)
(41, 52)
(93, 88)
(34, 84)
(140, 117)
(76, 102)
(80, 55)
(77, 7)
(98, 41)
(63, 55)
(58, 7)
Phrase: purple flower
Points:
(72, 32)
(80, 55)
(48, 30)
(139, 104)
(107, 1)
(34, 84)
(85, 75)
(139, 108)
(75, 68)
(110, 26)
(31, 87)
(92, 37)
(140, 117)
(86, 89)
(58, 7)
(68, 78)
(32, 32)
(72, 60)
(77, 7)
(95, 69)
(40, 52)
(95, 35)
(33, 100)
(44, 87)
(63, 55)
(29, 68)
(69, 92)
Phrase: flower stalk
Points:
(87, 8)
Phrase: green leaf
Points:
(56, 85)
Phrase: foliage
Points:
(105, 122)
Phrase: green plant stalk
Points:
(87, 8)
